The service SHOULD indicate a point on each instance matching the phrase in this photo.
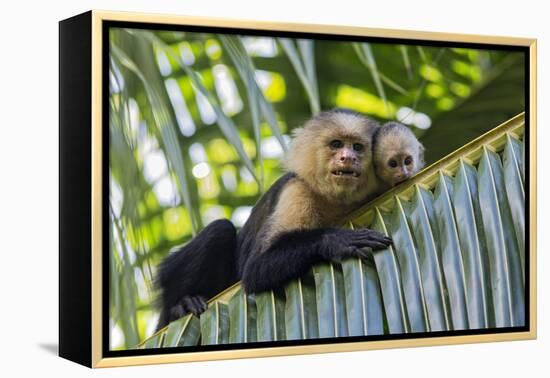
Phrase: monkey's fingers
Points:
(373, 235)
(370, 240)
(374, 244)
(380, 240)
(201, 304)
(176, 312)
(194, 304)
(387, 241)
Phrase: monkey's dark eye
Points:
(336, 144)
(392, 163)
(408, 160)
(358, 147)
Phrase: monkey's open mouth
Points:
(346, 173)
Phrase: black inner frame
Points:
(106, 25)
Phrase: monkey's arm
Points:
(292, 254)
(297, 236)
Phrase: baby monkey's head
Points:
(397, 154)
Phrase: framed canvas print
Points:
(234, 189)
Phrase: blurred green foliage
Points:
(198, 124)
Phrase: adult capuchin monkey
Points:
(397, 155)
(293, 226)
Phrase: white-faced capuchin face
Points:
(344, 159)
(333, 152)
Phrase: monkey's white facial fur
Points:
(397, 154)
(332, 152)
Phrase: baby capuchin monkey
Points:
(397, 155)
(293, 226)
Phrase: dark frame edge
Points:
(75, 218)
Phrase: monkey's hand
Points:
(195, 305)
(354, 243)
(365, 237)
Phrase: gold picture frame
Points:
(84, 183)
